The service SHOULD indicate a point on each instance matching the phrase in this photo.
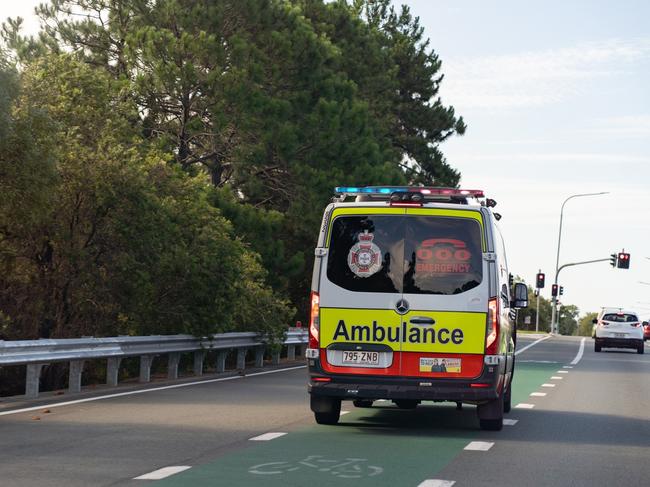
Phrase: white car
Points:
(618, 328)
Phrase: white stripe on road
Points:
(523, 405)
(548, 385)
(142, 391)
(510, 422)
(567, 366)
(557, 377)
(581, 350)
(538, 394)
(437, 483)
(267, 437)
(479, 446)
(161, 473)
(562, 372)
(532, 344)
(343, 412)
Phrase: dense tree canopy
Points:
(174, 156)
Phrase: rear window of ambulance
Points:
(409, 254)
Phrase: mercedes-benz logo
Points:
(402, 306)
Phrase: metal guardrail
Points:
(38, 353)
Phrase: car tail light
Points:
(492, 339)
(314, 320)
(635, 325)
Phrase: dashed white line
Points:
(479, 446)
(581, 350)
(557, 377)
(548, 385)
(437, 483)
(532, 344)
(562, 372)
(567, 366)
(343, 412)
(162, 473)
(538, 394)
(267, 437)
(510, 422)
(523, 405)
(142, 391)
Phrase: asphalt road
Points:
(591, 428)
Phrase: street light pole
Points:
(554, 327)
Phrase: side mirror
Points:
(521, 296)
(594, 321)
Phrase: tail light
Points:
(492, 339)
(635, 325)
(314, 320)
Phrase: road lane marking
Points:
(562, 372)
(581, 350)
(162, 473)
(437, 483)
(142, 391)
(343, 412)
(523, 405)
(510, 422)
(557, 377)
(532, 344)
(479, 446)
(538, 394)
(548, 385)
(267, 436)
(567, 366)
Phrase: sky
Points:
(556, 98)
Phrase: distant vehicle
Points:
(618, 328)
(646, 330)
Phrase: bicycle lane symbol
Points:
(348, 468)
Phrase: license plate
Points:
(360, 358)
(619, 335)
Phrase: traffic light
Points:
(612, 260)
(554, 290)
(623, 260)
(561, 290)
(541, 277)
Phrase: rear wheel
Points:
(490, 414)
(639, 349)
(507, 400)
(597, 347)
(326, 409)
(363, 403)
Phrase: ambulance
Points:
(412, 301)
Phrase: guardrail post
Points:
(112, 370)
(33, 380)
(172, 365)
(291, 352)
(241, 358)
(221, 361)
(199, 357)
(259, 356)
(74, 375)
(145, 368)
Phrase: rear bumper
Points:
(619, 342)
(418, 388)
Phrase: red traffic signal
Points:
(554, 290)
(623, 260)
(541, 277)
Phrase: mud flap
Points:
(323, 404)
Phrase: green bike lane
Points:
(382, 445)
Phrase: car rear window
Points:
(621, 318)
(412, 254)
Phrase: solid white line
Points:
(538, 394)
(548, 385)
(581, 350)
(510, 422)
(523, 405)
(437, 483)
(267, 437)
(479, 446)
(142, 391)
(532, 344)
(557, 377)
(161, 473)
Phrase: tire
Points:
(507, 399)
(639, 349)
(597, 347)
(490, 414)
(491, 424)
(326, 409)
(363, 403)
(406, 403)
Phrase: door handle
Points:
(422, 320)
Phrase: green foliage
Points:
(585, 325)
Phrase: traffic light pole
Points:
(554, 325)
(537, 314)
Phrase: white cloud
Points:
(538, 78)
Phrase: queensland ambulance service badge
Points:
(364, 258)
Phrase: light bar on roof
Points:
(427, 190)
